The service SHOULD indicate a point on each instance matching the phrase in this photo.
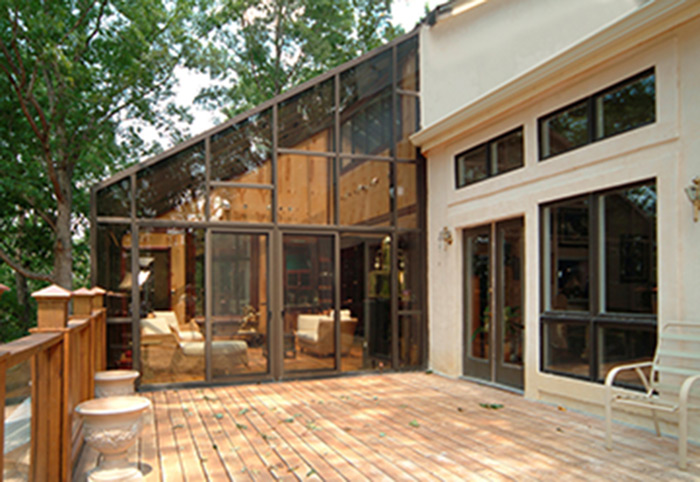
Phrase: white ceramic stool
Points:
(112, 383)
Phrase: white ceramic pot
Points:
(111, 426)
(113, 383)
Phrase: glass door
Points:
(309, 328)
(493, 301)
(238, 322)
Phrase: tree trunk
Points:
(63, 250)
(22, 301)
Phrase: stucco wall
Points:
(667, 150)
(472, 52)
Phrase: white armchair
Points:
(315, 333)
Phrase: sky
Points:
(404, 12)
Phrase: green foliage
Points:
(260, 49)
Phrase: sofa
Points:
(315, 333)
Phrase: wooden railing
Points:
(64, 353)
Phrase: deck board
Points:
(410, 426)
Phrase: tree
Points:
(71, 72)
(260, 49)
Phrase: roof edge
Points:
(645, 23)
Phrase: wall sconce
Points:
(445, 237)
(693, 193)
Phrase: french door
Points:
(493, 302)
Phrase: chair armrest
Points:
(610, 377)
(685, 388)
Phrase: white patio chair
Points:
(674, 370)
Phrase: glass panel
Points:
(366, 125)
(409, 340)
(507, 153)
(407, 122)
(626, 107)
(407, 69)
(478, 297)
(364, 315)
(566, 348)
(18, 422)
(306, 120)
(406, 195)
(630, 250)
(174, 187)
(305, 193)
(569, 245)
(379, 333)
(410, 273)
(365, 103)
(239, 304)
(242, 153)
(115, 200)
(114, 275)
(309, 323)
(511, 300)
(364, 193)
(619, 345)
(241, 204)
(172, 305)
(564, 130)
(472, 166)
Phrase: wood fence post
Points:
(50, 450)
(101, 332)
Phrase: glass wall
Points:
(320, 175)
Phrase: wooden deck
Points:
(386, 427)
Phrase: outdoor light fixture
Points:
(445, 237)
(693, 192)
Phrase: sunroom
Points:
(286, 242)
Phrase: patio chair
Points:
(674, 370)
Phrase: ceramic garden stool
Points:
(111, 426)
(112, 383)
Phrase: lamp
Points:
(693, 193)
(445, 237)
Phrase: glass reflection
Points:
(407, 122)
(171, 282)
(478, 296)
(241, 204)
(18, 422)
(306, 120)
(626, 107)
(174, 187)
(511, 299)
(242, 152)
(115, 199)
(364, 193)
(406, 195)
(408, 66)
(566, 348)
(620, 345)
(565, 130)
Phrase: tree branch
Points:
(12, 263)
(41, 213)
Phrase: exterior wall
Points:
(465, 56)
(667, 150)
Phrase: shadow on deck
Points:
(391, 427)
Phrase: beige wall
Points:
(668, 150)
(471, 52)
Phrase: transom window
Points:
(625, 106)
(599, 281)
(496, 156)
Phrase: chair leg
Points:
(608, 417)
(656, 423)
(683, 437)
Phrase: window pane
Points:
(408, 122)
(241, 204)
(472, 166)
(565, 130)
(507, 153)
(241, 153)
(174, 187)
(620, 345)
(364, 193)
(410, 272)
(566, 348)
(306, 120)
(626, 107)
(406, 195)
(171, 281)
(408, 67)
(115, 200)
(305, 192)
(630, 250)
(569, 244)
(477, 294)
